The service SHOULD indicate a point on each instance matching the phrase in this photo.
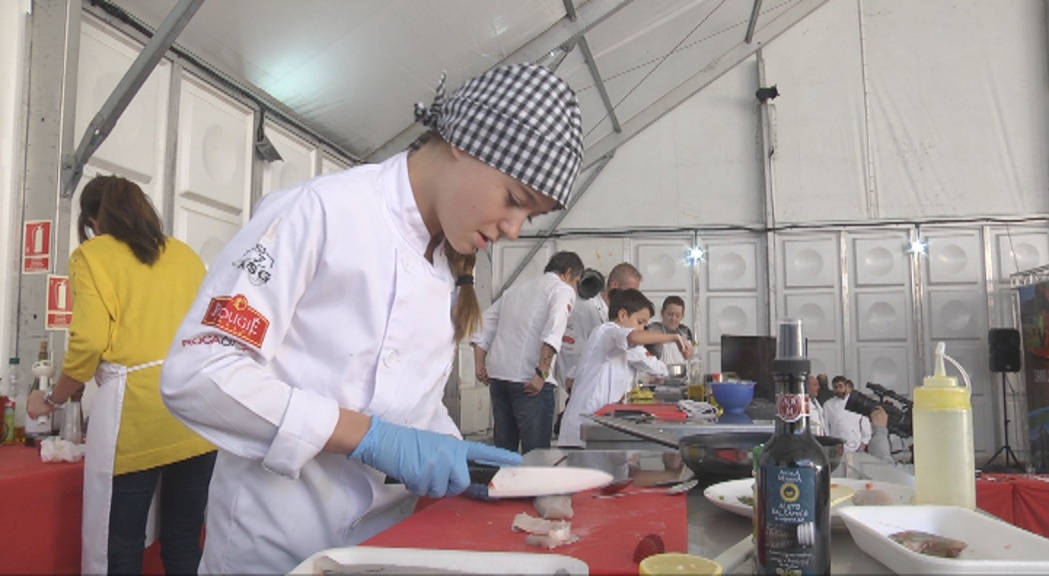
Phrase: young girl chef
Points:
(317, 351)
(606, 369)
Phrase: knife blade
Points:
(530, 481)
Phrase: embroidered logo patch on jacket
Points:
(233, 315)
(258, 263)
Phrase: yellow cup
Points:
(679, 564)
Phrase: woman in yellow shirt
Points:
(132, 287)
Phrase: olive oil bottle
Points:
(792, 507)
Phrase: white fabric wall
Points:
(950, 95)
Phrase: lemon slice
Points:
(676, 563)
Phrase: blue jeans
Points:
(521, 419)
(183, 497)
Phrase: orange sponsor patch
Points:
(568, 339)
(233, 315)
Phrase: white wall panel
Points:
(214, 150)
(731, 265)
(887, 365)
(954, 257)
(205, 229)
(601, 254)
(296, 166)
(1019, 250)
(733, 316)
(880, 261)
(825, 358)
(663, 265)
(135, 147)
(507, 256)
(818, 313)
(810, 263)
(882, 316)
(957, 313)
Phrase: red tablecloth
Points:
(609, 529)
(1016, 498)
(41, 505)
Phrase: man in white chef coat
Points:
(590, 314)
(854, 428)
(515, 350)
(816, 418)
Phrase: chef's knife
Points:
(530, 481)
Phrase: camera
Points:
(901, 422)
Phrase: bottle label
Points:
(791, 407)
(790, 521)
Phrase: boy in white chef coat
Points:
(588, 315)
(316, 353)
(606, 370)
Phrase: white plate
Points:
(992, 546)
(726, 495)
(453, 560)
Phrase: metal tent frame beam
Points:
(565, 33)
(103, 122)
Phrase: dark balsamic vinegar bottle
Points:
(792, 506)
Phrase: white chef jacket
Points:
(323, 300)
(604, 375)
(586, 317)
(853, 428)
(516, 325)
(817, 423)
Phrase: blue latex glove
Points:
(429, 463)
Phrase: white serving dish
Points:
(992, 545)
(467, 562)
(726, 495)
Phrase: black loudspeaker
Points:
(1004, 348)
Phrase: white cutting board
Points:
(530, 481)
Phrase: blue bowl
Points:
(733, 397)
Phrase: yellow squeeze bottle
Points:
(944, 461)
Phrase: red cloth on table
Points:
(1031, 505)
(608, 529)
(41, 504)
(1028, 505)
(996, 497)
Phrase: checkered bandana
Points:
(520, 119)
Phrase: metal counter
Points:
(600, 437)
(711, 530)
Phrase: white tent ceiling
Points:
(350, 70)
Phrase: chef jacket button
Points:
(390, 359)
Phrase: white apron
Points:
(100, 453)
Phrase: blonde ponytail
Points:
(466, 314)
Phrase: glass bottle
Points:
(792, 504)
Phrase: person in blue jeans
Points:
(515, 349)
